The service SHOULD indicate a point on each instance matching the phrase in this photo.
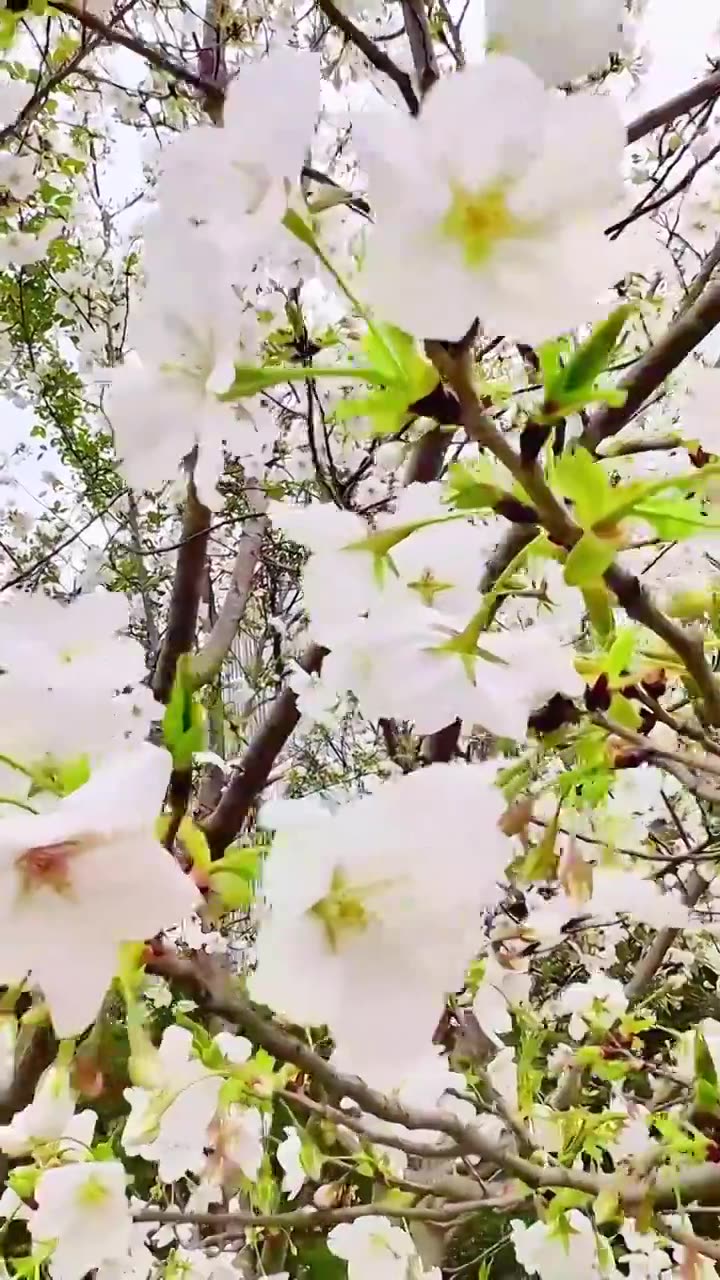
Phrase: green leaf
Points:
(607, 1207)
(620, 653)
(597, 603)
(234, 891)
(593, 356)
(674, 518)
(624, 712)
(704, 1063)
(589, 559)
(234, 876)
(196, 845)
(183, 723)
(397, 361)
(541, 861)
(584, 481)
(575, 385)
(300, 229)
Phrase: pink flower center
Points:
(48, 865)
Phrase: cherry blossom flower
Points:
(168, 1123)
(364, 932)
(499, 990)
(372, 1246)
(548, 1251)
(43, 1120)
(238, 194)
(507, 223)
(84, 1209)
(70, 647)
(600, 1000)
(79, 880)
(559, 42)
(410, 664)
(163, 402)
(237, 1135)
(288, 1155)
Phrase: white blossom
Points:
(74, 646)
(238, 1133)
(288, 1154)
(600, 1000)
(237, 175)
(84, 1208)
(77, 881)
(505, 223)
(559, 42)
(366, 930)
(548, 1251)
(169, 1123)
(43, 1120)
(372, 1246)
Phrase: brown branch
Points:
(649, 373)
(651, 960)
(223, 824)
(36, 1049)
(156, 58)
(228, 817)
(185, 597)
(207, 662)
(376, 57)
(42, 91)
(663, 114)
(220, 994)
(697, 1244)
(631, 595)
(639, 605)
(378, 1136)
(308, 1219)
(679, 105)
(420, 38)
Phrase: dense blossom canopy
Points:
(359, 640)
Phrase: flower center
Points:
(477, 220)
(428, 587)
(93, 1192)
(47, 865)
(342, 911)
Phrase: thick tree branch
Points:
(421, 43)
(308, 1219)
(679, 105)
(185, 597)
(207, 662)
(649, 373)
(227, 819)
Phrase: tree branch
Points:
(308, 1219)
(185, 597)
(234, 805)
(156, 58)
(631, 595)
(649, 373)
(679, 105)
(419, 35)
(376, 57)
(206, 664)
(219, 992)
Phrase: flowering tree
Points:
(359, 637)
